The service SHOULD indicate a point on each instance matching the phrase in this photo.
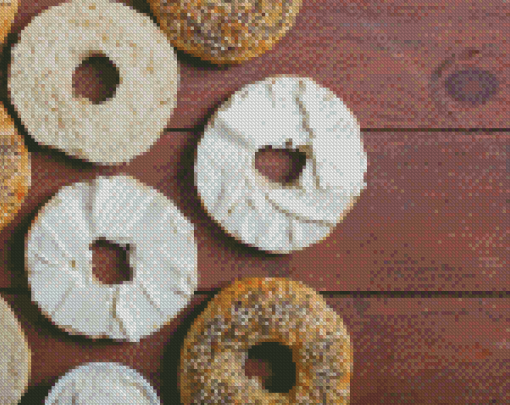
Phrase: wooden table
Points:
(418, 269)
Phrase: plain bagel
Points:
(54, 45)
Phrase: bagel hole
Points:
(96, 79)
(282, 166)
(110, 264)
(272, 363)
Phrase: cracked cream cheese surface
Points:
(103, 384)
(293, 113)
(163, 257)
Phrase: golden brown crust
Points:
(8, 9)
(255, 310)
(15, 367)
(225, 32)
(15, 174)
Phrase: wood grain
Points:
(390, 62)
(406, 350)
(390, 73)
(432, 217)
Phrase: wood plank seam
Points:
(351, 294)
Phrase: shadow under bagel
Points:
(271, 362)
(171, 359)
(96, 79)
(99, 350)
(36, 394)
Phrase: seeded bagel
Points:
(224, 31)
(15, 174)
(256, 310)
(8, 9)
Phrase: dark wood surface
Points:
(432, 217)
(421, 350)
(389, 61)
(431, 226)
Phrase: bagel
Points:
(281, 112)
(162, 256)
(14, 359)
(41, 77)
(8, 10)
(102, 383)
(223, 31)
(15, 174)
(256, 310)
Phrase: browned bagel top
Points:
(14, 169)
(8, 10)
(255, 310)
(225, 31)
